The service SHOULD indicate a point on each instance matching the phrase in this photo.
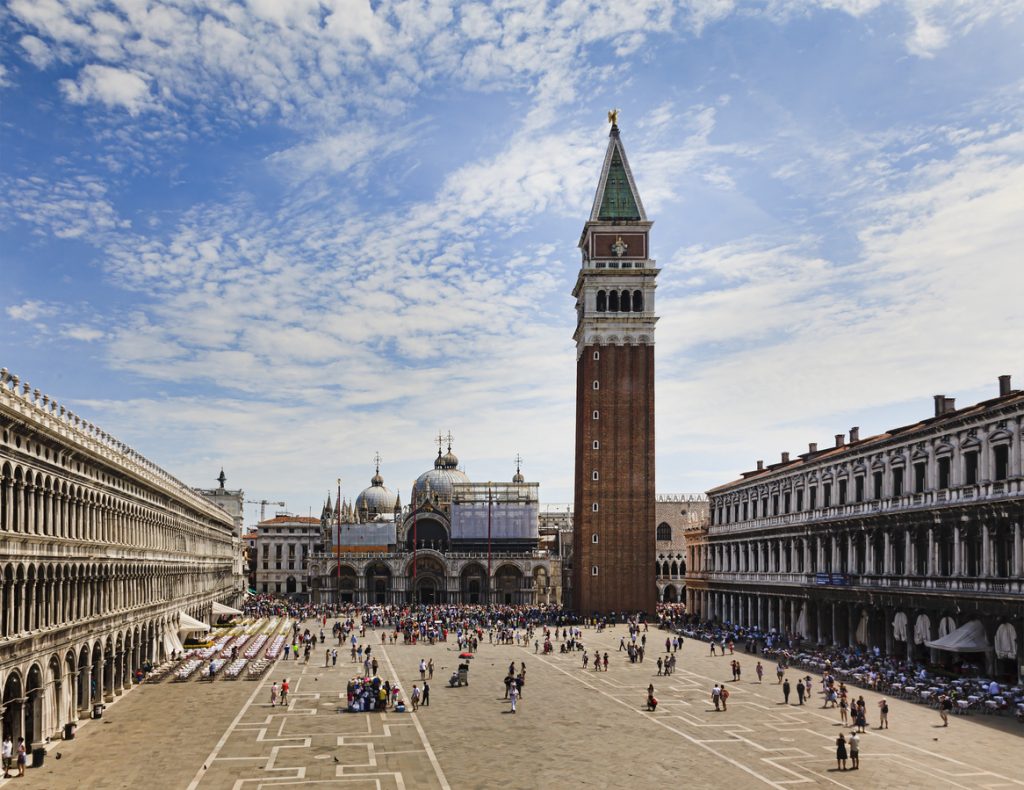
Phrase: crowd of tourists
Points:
(959, 688)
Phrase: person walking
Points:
(273, 694)
(513, 695)
(659, 665)
(415, 698)
(284, 692)
(423, 669)
(22, 756)
(840, 752)
(785, 691)
(854, 751)
(725, 697)
(883, 715)
(426, 695)
(8, 755)
(945, 706)
(605, 662)
(716, 697)
(800, 692)
(334, 657)
(430, 669)
(760, 672)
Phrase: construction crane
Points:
(263, 506)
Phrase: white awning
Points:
(219, 609)
(801, 622)
(176, 643)
(862, 628)
(1006, 641)
(922, 629)
(188, 624)
(899, 627)
(946, 625)
(968, 638)
(168, 644)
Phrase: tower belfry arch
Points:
(613, 539)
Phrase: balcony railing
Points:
(983, 586)
(993, 490)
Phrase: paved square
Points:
(574, 728)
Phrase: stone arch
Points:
(13, 705)
(345, 580)
(508, 583)
(378, 583)
(35, 696)
(427, 532)
(474, 584)
(670, 594)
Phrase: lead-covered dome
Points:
(439, 481)
(377, 499)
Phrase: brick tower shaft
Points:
(614, 522)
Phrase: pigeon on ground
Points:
(337, 760)
(57, 756)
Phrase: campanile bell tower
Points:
(613, 541)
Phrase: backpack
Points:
(725, 693)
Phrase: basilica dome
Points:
(377, 499)
(438, 482)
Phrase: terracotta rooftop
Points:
(289, 520)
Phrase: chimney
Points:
(760, 466)
(840, 439)
(940, 405)
(785, 458)
(854, 434)
(949, 405)
(1004, 386)
(812, 447)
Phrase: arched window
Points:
(624, 302)
(664, 531)
(638, 301)
(675, 568)
(613, 301)
(602, 301)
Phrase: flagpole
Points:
(415, 546)
(490, 502)
(337, 552)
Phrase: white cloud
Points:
(85, 334)
(38, 52)
(30, 310)
(110, 86)
(355, 148)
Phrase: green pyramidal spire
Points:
(618, 201)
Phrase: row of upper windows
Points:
(782, 504)
(620, 302)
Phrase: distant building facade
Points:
(675, 514)
(911, 541)
(233, 503)
(285, 544)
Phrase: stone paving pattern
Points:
(574, 728)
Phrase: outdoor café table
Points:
(926, 694)
(963, 705)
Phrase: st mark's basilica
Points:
(455, 542)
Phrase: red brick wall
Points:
(625, 521)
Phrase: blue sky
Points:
(280, 237)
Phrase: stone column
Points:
(930, 569)
(1018, 567)
(986, 552)
(887, 553)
